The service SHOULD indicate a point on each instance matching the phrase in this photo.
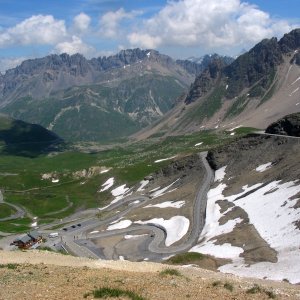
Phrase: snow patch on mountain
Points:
(176, 227)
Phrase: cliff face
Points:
(205, 81)
(253, 67)
(290, 41)
(289, 125)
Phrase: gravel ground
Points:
(44, 275)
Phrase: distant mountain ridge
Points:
(58, 72)
(98, 99)
(196, 65)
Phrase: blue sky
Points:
(180, 28)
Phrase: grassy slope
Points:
(129, 164)
(6, 210)
(98, 113)
(21, 138)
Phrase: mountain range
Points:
(144, 91)
(99, 99)
(259, 87)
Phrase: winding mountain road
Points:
(157, 244)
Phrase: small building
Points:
(28, 240)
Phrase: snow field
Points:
(120, 190)
(222, 251)
(273, 214)
(163, 191)
(107, 184)
(129, 236)
(120, 225)
(164, 159)
(264, 167)
(220, 174)
(176, 227)
(34, 224)
(143, 183)
(173, 204)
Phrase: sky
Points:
(179, 28)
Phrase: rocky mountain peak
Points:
(290, 41)
(254, 70)
(125, 57)
(197, 65)
(74, 64)
(257, 64)
(205, 81)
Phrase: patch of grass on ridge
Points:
(9, 266)
(245, 130)
(114, 293)
(184, 258)
(228, 286)
(171, 272)
(257, 289)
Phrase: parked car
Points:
(53, 235)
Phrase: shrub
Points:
(255, 289)
(10, 266)
(114, 293)
(228, 286)
(171, 272)
(184, 258)
(216, 283)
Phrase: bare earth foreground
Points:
(45, 275)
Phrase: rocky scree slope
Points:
(98, 99)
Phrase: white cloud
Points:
(214, 23)
(82, 22)
(109, 22)
(75, 45)
(144, 40)
(10, 62)
(38, 29)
